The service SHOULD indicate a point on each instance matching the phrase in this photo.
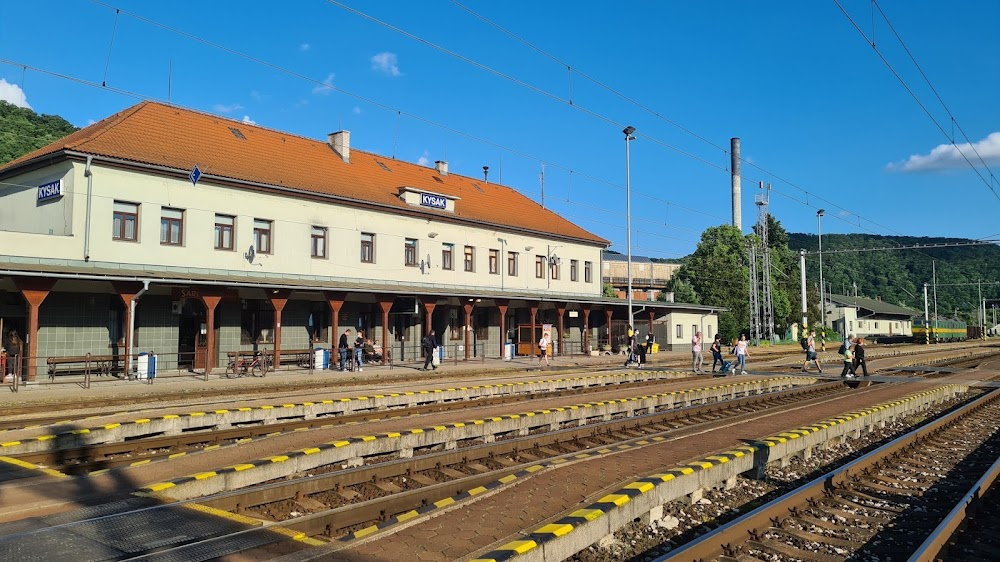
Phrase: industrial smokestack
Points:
(734, 154)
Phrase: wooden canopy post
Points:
(385, 303)
(34, 290)
(533, 307)
(586, 328)
(279, 298)
(561, 311)
(502, 305)
(335, 300)
(468, 327)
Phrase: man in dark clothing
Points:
(859, 357)
(359, 350)
(343, 347)
(649, 342)
(429, 343)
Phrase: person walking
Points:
(811, 353)
(359, 349)
(429, 344)
(847, 372)
(859, 357)
(717, 353)
(543, 347)
(697, 360)
(343, 347)
(741, 354)
(649, 342)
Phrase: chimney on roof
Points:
(340, 142)
(442, 167)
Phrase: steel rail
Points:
(80, 460)
(726, 540)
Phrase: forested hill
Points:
(898, 276)
(22, 130)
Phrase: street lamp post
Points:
(628, 218)
(822, 302)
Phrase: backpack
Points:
(804, 342)
(843, 348)
(426, 343)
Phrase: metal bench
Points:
(99, 364)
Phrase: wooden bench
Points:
(99, 364)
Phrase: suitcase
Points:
(726, 366)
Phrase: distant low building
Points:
(868, 318)
(649, 278)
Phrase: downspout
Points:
(131, 327)
(90, 190)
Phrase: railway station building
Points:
(191, 235)
(869, 318)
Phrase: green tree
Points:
(22, 130)
(682, 290)
(717, 272)
(608, 290)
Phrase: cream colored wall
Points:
(867, 326)
(640, 270)
(292, 222)
(708, 324)
(21, 212)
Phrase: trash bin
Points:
(508, 351)
(322, 358)
(656, 348)
(152, 366)
(142, 365)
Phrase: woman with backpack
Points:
(716, 350)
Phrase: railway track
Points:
(882, 506)
(333, 503)
(82, 460)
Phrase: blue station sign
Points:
(50, 190)
(435, 201)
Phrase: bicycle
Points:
(240, 367)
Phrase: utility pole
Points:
(541, 180)
(802, 275)
(767, 324)
(981, 311)
(934, 280)
(927, 323)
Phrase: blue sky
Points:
(810, 99)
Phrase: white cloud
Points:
(223, 108)
(947, 156)
(356, 110)
(424, 159)
(386, 63)
(259, 97)
(304, 47)
(248, 121)
(326, 87)
(13, 93)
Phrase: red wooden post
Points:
(468, 327)
(561, 310)
(385, 303)
(34, 290)
(335, 300)
(211, 302)
(502, 305)
(533, 307)
(586, 327)
(279, 299)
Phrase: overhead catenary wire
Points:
(913, 59)
(585, 110)
(909, 90)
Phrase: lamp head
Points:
(820, 212)
(432, 234)
(629, 130)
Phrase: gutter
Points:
(131, 327)
(89, 174)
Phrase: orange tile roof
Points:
(173, 137)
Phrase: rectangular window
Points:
(410, 252)
(367, 248)
(512, 264)
(224, 225)
(574, 267)
(694, 330)
(317, 247)
(588, 272)
(680, 331)
(876, 325)
(262, 235)
(553, 268)
(470, 258)
(495, 262)
(540, 267)
(448, 256)
(171, 226)
(125, 222)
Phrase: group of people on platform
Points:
(353, 353)
(852, 350)
(636, 352)
(739, 349)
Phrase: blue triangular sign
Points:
(195, 175)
